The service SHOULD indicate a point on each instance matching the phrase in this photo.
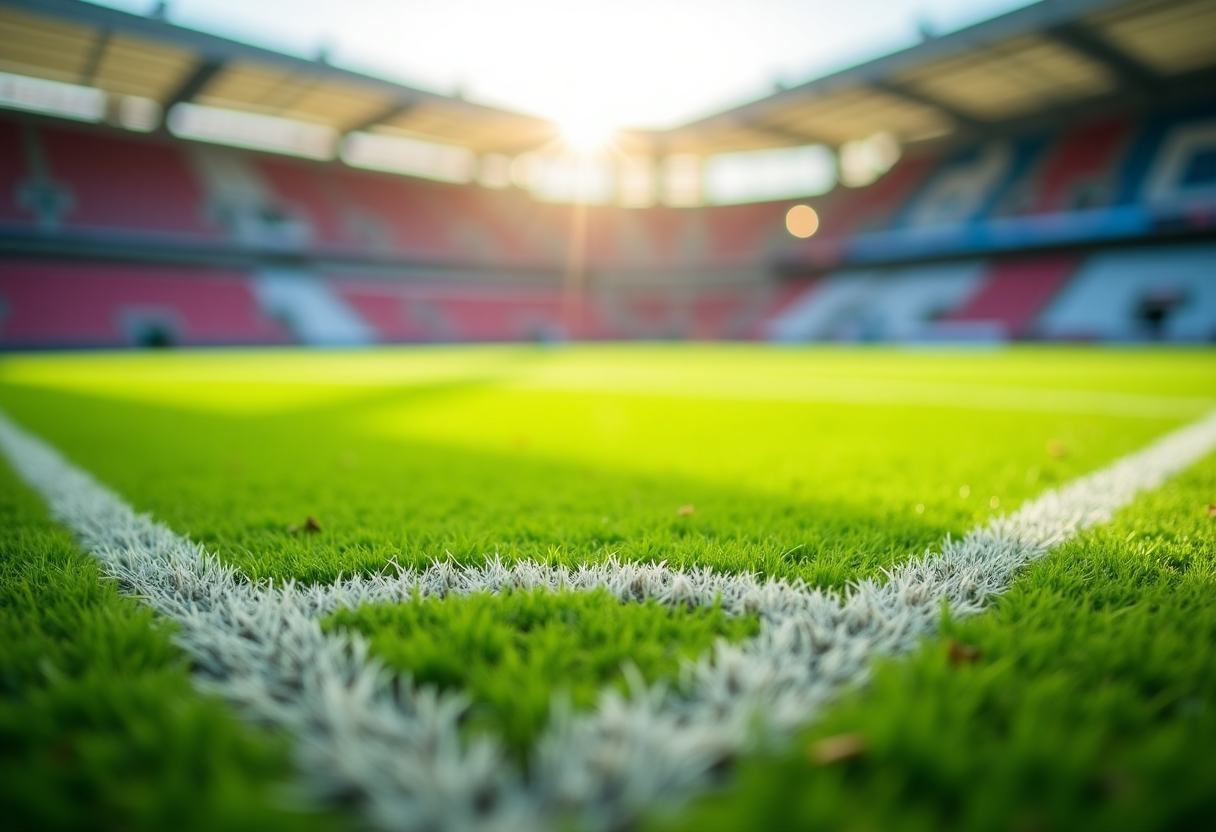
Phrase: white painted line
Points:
(396, 749)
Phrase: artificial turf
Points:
(511, 654)
(824, 465)
(572, 455)
(99, 725)
(1084, 700)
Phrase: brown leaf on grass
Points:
(684, 511)
(963, 653)
(1211, 510)
(831, 750)
(309, 525)
(1055, 448)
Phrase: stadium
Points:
(380, 457)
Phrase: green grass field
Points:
(1092, 703)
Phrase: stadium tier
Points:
(117, 182)
(1046, 222)
(50, 303)
(460, 262)
(1014, 292)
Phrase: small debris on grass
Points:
(963, 653)
(310, 525)
(1055, 448)
(1211, 509)
(831, 750)
(63, 752)
(685, 511)
(1116, 784)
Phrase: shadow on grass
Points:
(237, 482)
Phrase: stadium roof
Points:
(126, 54)
(1037, 61)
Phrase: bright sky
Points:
(638, 63)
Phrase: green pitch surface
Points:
(822, 465)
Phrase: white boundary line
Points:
(395, 748)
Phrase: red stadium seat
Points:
(306, 189)
(847, 211)
(55, 304)
(409, 312)
(133, 183)
(1014, 291)
(737, 233)
(13, 173)
(400, 209)
(1077, 171)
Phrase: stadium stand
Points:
(1012, 294)
(963, 188)
(13, 176)
(847, 211)
(485, 225)
(896, 305)
(240, 200)
(1146, 294)
(1179, 162)
(738, 233)
(418, 312)
(683, 313)
(410, 312)
(54, 303)
(393, 314)
(309, 308)
(397, 213)
(306, 192)
(811, 315)
(1078, 173)
(1022, 206)
(124, 182)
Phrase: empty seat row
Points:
(1113, 176)
(1161, 292)
(62, 304)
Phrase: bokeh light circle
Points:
(802, 221)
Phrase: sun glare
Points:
(585, 133)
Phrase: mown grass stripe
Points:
(396, 748)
